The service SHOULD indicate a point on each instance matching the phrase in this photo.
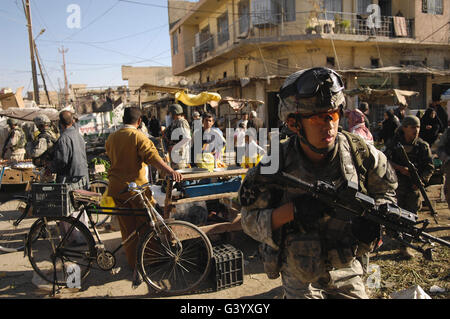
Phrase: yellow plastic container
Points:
(250, 162)
(205, 160)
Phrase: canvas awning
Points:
(28, 114)
(367, 94)
(237, 104)
(408, 69)
(160, 89)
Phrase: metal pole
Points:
(66, 85)
(33, 62)
(42, 74)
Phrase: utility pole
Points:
(66, 85)
(26, 8)
(40, 67)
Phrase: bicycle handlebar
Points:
(134, 187)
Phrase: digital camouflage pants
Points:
(344, 283)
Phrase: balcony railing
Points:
(328, 24)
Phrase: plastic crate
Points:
(50, 200)
(227, 268)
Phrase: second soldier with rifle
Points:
(419, 154)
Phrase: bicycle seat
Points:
(85, 196)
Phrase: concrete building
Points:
(246, 48)
(43, 99)
(156, 75)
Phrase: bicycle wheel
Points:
(175, 264)
(12, 236)
(47, 241)
(99, 186)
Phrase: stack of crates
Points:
(227, 268)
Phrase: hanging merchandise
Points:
(199, 99)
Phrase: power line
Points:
(93, 21)
(112, 40)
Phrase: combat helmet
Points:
(11, 121)
(311, 91)
(176, 109)
(41, 119)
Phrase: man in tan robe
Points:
(130, 151)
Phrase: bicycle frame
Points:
(170, 240)
(149, 211)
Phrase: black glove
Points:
(308, 211)
(365, 230)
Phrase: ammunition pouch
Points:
(271, 260)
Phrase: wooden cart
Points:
(221, 227)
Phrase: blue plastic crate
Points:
(213, 188)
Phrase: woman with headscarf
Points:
(356, 125)
(389, 125)
(429, 126)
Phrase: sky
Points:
(99, 35)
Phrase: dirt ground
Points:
(17, 279)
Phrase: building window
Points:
(288, 10)
(174, 43)
(222, 28)
(432, 6)
(374, 62)
(446, 64)
(330, 61)
(244, 16)
(225, 74)
(362, 6)
(246, 69)
(331, 7)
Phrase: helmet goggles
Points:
(316, 90)
(320, 118)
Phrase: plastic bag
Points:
(107, 201)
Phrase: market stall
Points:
(202, 187)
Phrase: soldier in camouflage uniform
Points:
(178, 138)
(42, 146)
(14, 147)
(419, 153)
(315, 246)
(42, 149)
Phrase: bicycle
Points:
(16, 218)
(173, 257)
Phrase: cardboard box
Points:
(12, 176)
(28, 175)
(8, 100)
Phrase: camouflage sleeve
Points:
(382, 180)
(39, 148)
(257, 223)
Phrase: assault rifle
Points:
(398, 223)
(416, 180)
